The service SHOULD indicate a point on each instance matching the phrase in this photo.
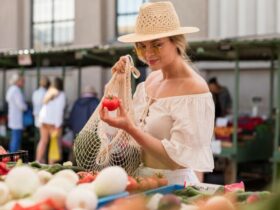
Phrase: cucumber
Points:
(74, 168)
(35, 164)
(189, 191)
(55, 168)
(196, 198)
(242, 196)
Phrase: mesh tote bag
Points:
(98, 145)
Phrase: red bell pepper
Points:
(46, 204)
(3, 168)
(235, 187)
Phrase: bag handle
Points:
(129, 69)
(125, 79)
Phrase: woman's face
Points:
(157, 53)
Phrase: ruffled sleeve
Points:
(190, 136)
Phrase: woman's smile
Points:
(152, 62)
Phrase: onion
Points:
(81, 198)
(69, 175)
(110, 180)
(218, 203)
(26, 202)
(59, 182)
(4, 193)
(44, 176)
(58, 195)
(9, 205)
(22, 181)
(88, 186)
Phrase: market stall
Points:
(34, 186)
(265, 48)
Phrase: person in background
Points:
(222, 98)
(51, 119)
(174, 109)
(82, 109)
(38, 96)
(16, 107)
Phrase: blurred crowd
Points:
(46, 115)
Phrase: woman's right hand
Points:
(119, 66)
(122, 120)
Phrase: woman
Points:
(51, 118)
(38, 96)
(174, 108)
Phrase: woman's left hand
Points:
(122, 120)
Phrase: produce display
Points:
(35, 186)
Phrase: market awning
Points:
(248, 48)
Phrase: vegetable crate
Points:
(15, 156)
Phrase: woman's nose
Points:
(150, 51)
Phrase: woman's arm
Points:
(151, 145)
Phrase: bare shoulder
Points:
(195, 85)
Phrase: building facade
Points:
(94, 24)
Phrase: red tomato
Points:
(3, 168)
(82, 174)
(153, 183)
(162, 181)
(111, 102)
(143, 184)
(87, 178)
(235, 187)
(252, 198)
(131, 184)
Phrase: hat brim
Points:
(134, 37)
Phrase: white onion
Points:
(44, 176)
(69, 175)
(59, 182)
(110, 180)
(9, 205)
(4, 193)
(58, 195)
(22, 181)
(81, 198)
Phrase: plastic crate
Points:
(14, 156)
(164, 189)
(104, 200)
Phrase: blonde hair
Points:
(181, 44)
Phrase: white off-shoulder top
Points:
(183, 123)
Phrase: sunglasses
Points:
(142, 49)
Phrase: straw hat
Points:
(156, 20)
